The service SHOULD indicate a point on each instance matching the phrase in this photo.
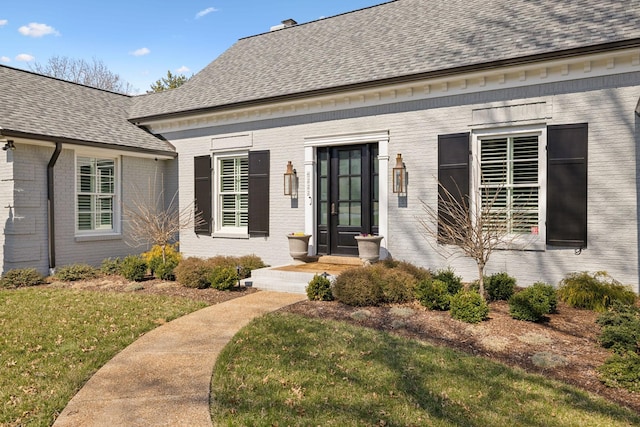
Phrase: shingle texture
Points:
(397, 38)
(47, 107)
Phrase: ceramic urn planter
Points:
(368, 248)
(299, 246)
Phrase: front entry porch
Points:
(294, 278)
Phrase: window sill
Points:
(223, 235)
(97, 237)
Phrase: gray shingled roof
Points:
(43, 107)
(398, 38)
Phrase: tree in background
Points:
(94, 73)
(172, 81)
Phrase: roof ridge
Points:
(33, 73)
(318, 20)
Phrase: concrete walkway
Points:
(163, 378)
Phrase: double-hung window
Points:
(509, 185)
(95, 194)
(233, 193)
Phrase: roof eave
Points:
(486, 66)
(47, 138)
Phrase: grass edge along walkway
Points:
(285, 369)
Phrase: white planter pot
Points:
(369, 248)
(299, 246)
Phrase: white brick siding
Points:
(606, 103)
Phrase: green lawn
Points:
(53, 340)
(284, 369)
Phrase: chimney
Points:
(285, 24)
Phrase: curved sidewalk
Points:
(163, 378)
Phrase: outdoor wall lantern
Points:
(290, 181)
(399, 176)
(8, 145)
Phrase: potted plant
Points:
(368, 247)
(299, 245)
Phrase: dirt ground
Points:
(563, 347)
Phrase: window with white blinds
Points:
(96, 192)
(509, 183)
(233, 193)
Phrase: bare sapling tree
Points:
(475, 229)
(153, 221)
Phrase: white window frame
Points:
(115, 229)
(517, 241)
(219, 229)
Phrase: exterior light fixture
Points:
(399, 176)
(9, 145)
(290, 181)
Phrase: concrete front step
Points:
(273, 279)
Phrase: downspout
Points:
(50, 207)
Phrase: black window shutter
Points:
(259, 193)
(202, 190)
(453, 173)
(567, 185)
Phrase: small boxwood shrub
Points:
(418, 273)
(469, 307)
(398, 285)
(74, 272)
(110, 266)
(223, 277)
(162, 266)
(319, 289)
(532, 303)
(620, 328)
(433, 294)
(248, 263)
(358, 287)
(133, 267)
(593, 292)
(622, 370)
(499, 286)
(193, 272)
(21, 277)
(453, 282)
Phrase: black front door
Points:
(347, 196)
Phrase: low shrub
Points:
(248, 263)
(433, 294)
(223, 277)
(499, 286)
(133, 267)
(110, 266)
(468, 306)
(453, 282)
(621, 370)
(358, 287)
(398, 285)
(532, 303)
(620, 328)
(162, 266)
(319, 289)
(74, 272)
(593, 292)
(419, 273)
(21, 277)
(193, 272)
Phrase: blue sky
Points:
(141, 39)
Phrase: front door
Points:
(347, 196)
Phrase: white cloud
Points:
(25, 57)
(183, 69)
(37, 30)
(5, 59)
(140, 52)
(206, 12)
(3, 22)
